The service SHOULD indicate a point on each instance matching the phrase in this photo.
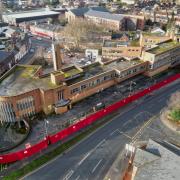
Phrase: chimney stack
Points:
(57, 52)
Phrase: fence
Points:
(25, 153)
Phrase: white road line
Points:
(125, 134)
(100, 143)
(77, 178)
(68, 175)
(83, 159)
(96, 165)
(112, 133)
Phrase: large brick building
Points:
(25, 91)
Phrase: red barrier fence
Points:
(16, 156)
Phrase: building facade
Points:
(25, 91)
(115, 49)
(162, 57)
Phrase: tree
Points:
(81, 29)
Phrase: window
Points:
(98, 81)
(60, 94)
(25, 103)
(74, 90)
(83, 86)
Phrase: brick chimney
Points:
(57, 52)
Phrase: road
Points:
(45, 43)
(92, 157)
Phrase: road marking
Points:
(99, 144)
(68, 175)
(83, 159)
(134, 138)
(154, 130)
(96, 165)
(77, 178)
(112, 133)
(125, 134)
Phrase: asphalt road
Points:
(45, 43)
(92, 157)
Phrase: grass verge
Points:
(57, 151)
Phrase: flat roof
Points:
(111, 43)
(27, 14)
(88, 72)
(162, 47)
(21, 79)
(97, 69)
(122, 64)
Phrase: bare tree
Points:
(80, 29)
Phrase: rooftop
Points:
(21, 79)
(82, 11)
(96, 68)
(88, 72)
(105, 15)
(162, 47)
(35, 13)
(157, 162)
(122, 64)
(110, 43)
(4, 55)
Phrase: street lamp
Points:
(130, 88)
(46, 128)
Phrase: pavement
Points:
(92, 157)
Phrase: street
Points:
(93, 156)
(45, 43)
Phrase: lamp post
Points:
(46, 128)
(130, 88)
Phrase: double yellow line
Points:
(134, 138)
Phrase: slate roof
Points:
(105, 15)
(4, 55)
(82, 11)
(157, 163)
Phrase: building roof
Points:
(82, 11)
(105, 15)
(4, 55)
(28, 14)
(163, 47)
(111, 43)
(156, 162)
(21, 79)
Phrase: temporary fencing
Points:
(25, 153)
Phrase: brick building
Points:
(25, 91)
(115, 49)
(162, 56)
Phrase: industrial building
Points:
(18, 17)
